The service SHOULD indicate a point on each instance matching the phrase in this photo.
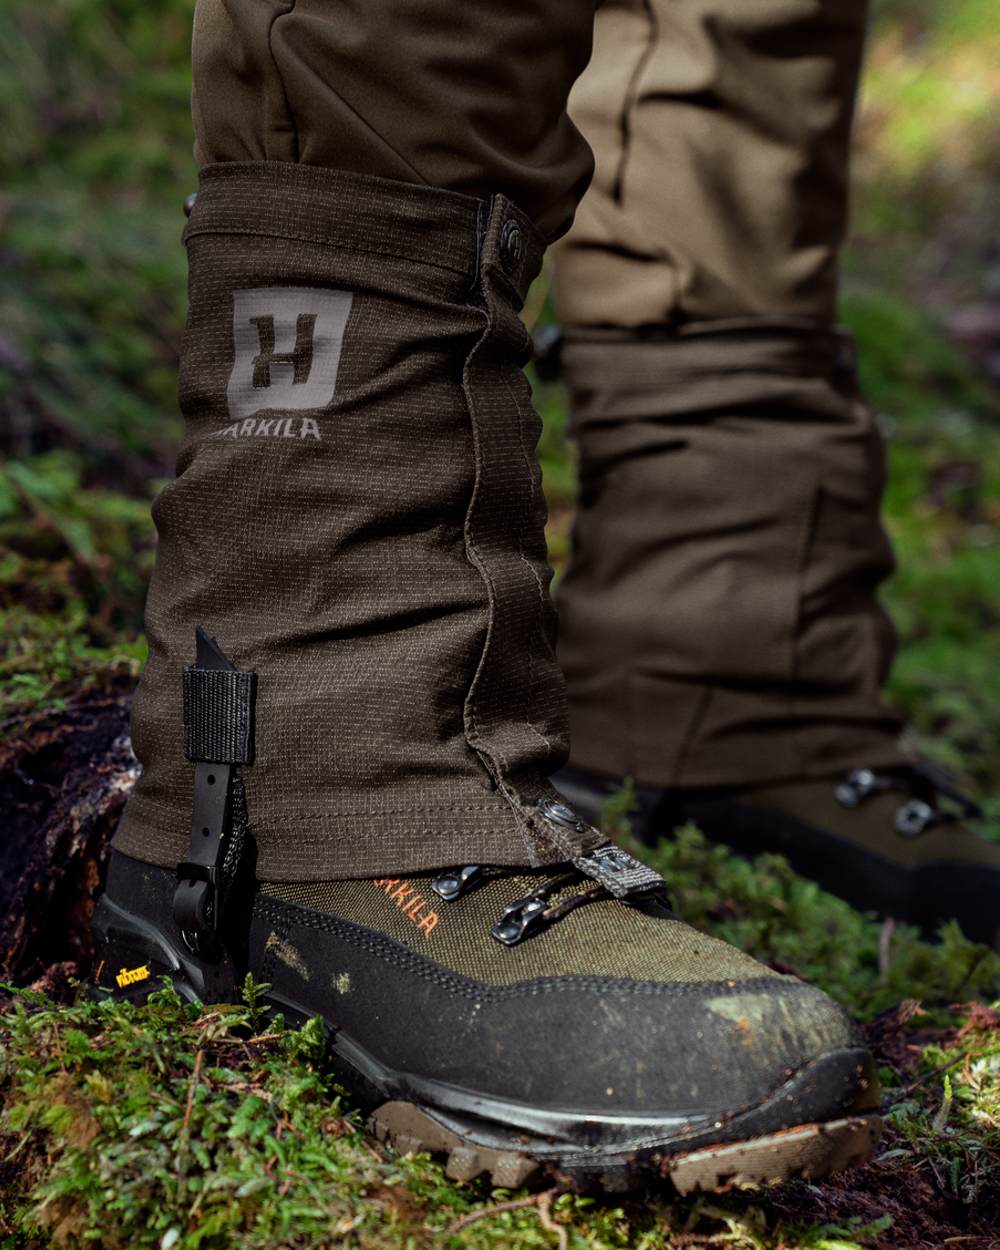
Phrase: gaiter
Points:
(358, 519)
(719, 624)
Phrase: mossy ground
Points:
(170, 1126)
(167, 1127)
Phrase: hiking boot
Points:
(358, 524)
(529, 1024)
(893, 841)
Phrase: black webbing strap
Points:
(218, 715)
(218, 732)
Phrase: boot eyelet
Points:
(453, 885)
(914, 818)
(519, 920)
(859, 784)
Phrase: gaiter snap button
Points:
(561, 814)
(189, 203)
(511, 246)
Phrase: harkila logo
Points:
(410, 902)
(287, 343)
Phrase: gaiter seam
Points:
(539, 622)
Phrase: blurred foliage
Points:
(928, 164)
(73, 569)
(95, 162)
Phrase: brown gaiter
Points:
(357, 515)
(719, 620)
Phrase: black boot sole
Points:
(821, 1119)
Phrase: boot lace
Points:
(614, 874)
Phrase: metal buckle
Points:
(197, 905)
(226, 733)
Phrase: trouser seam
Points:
(630, 102)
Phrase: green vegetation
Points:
(95, 163)
(170, 1127)
(73, 567)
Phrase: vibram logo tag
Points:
(410, 902)
(129, 976)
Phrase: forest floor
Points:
(173, 1127)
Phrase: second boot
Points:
(722, 637)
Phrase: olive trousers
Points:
(719, 624)
(719, 619)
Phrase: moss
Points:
(168, 1127)
(73, 566)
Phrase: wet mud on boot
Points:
(894, 841)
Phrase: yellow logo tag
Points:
(129, 976)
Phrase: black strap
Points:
(218, 715)
(218, 730)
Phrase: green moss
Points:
(73, 567)
(168, 1127)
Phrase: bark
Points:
(64, 778)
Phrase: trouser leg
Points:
(357, 515)
(719, 621)
(720, 130)
(434, 92)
